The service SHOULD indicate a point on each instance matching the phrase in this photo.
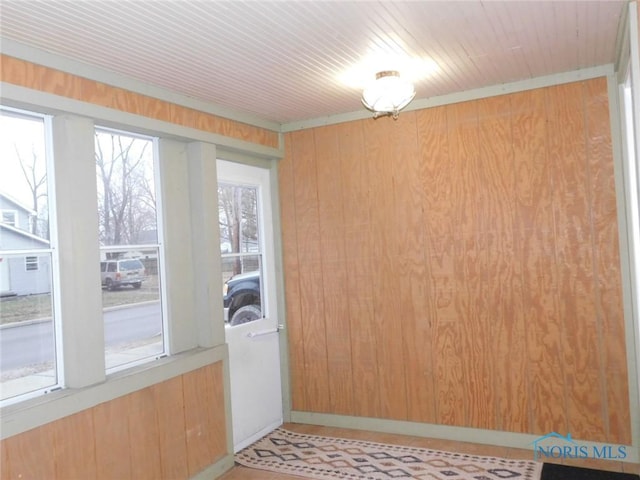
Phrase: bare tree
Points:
(36, 178)
(237, 207)
(126, 196)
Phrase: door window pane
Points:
(129, 250)
(240, 246)
(27, 284)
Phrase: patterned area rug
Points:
(317, 457)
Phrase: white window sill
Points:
(23, 416)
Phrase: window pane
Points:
(129, 251)
(27, 332)
(23, 183)
(131, 306)
(238, 210)
(126, 189)
(27, 345)
(241, 256)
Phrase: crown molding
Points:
(475, 94)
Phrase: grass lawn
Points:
(31, 307)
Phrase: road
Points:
(32, 343)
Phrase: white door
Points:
(252, 331)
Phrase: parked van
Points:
(117, 273)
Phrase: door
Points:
(252, 331)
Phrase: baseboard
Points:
(215, 470)
(446, 432)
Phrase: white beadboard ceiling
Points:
(282, 61)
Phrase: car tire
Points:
(137, 285)
(109, 283)
(246, 314)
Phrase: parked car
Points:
(125, 271)
(242, 298)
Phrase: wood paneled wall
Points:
(460, 266)
(171, 430)
(37, 77)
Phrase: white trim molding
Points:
(485, 92)
(24, 416)
(28, 99)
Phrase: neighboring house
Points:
(23, 274)
(16, 214)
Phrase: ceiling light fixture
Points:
(388, 94)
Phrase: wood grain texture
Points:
(482, 263)
(111, 420)
(74, 446)
(606, 255)
(26, 74)
(205, 426)
(30, 456)
(380, 149)
(295, 325)
(144, 440)
(312, 312)
(170, 431)
(535, 263)
(172, 436)
(4, 460)
(333, 252)
(436, 174)
(412, 171)
(358, 266)
(574, 249)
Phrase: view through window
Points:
(27, 283)
(240, 247)
(129, 247)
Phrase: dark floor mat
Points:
(551, 471)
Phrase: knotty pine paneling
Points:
(476, 253)
(37, 77)
(171, 430)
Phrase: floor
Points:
(243, 473)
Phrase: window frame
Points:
(158, 246)
(51, 251)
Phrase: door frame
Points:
(273, 266)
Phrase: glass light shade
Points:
(388, 93)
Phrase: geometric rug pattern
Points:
(319, 457)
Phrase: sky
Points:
(27, 135)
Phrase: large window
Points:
(129, 248)
(28, 285)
